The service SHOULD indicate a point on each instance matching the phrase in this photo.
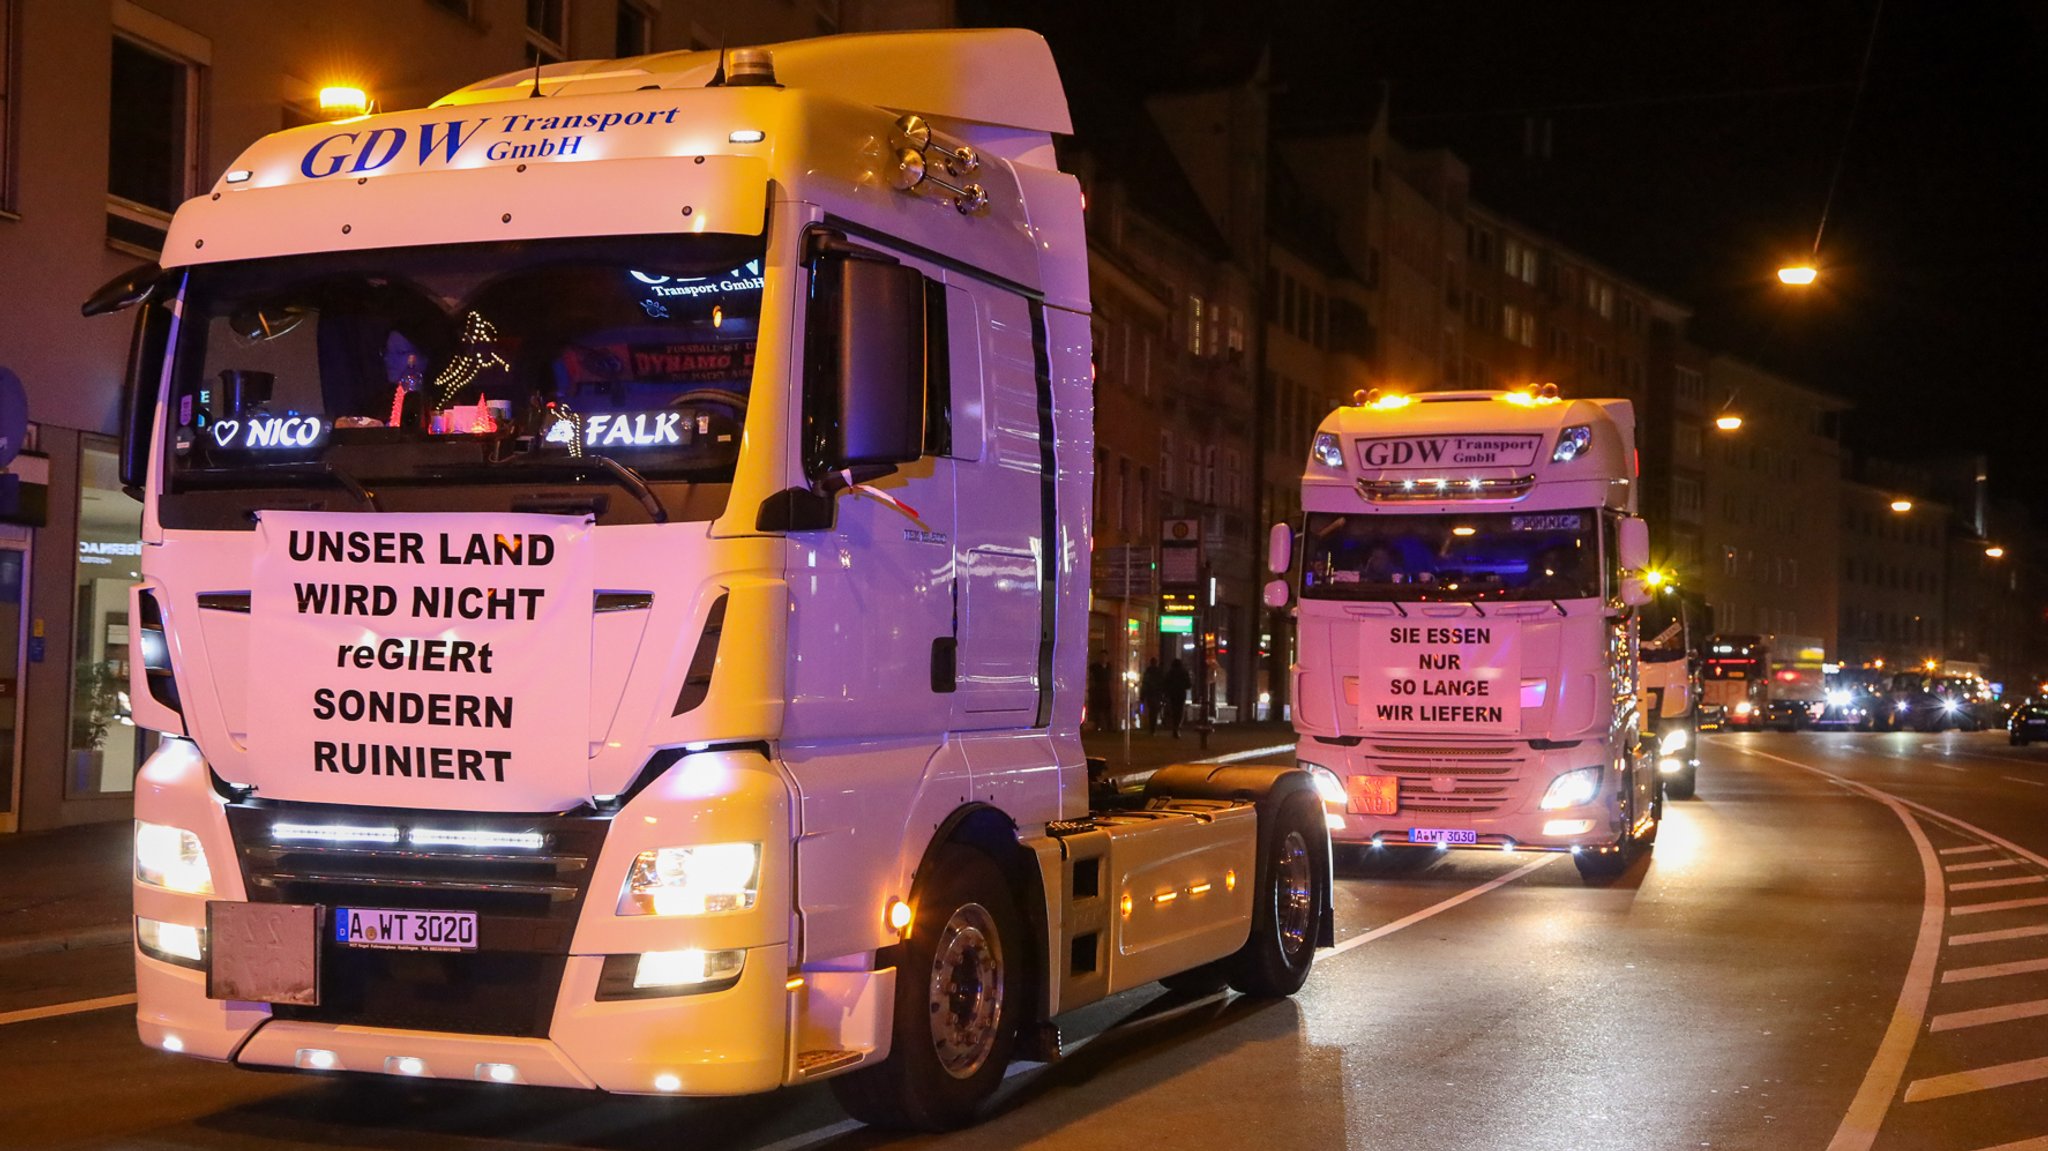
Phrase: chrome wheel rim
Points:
(966, 999)
(1293, 893)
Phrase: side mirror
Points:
(1634, 543)
(1634, 592)
(1280, 549)
(864, 373)
(1275, 594)
(139, 386)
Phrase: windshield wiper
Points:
(321, 467)
(624, 476)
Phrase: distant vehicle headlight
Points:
(1673, 742)
(1744, 707)
(1838, 699)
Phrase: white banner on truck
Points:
(420, 660)
(1440, 676)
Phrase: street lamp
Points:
(1798, 275)
(1902, 505)
(1995, 552)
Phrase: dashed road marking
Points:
(1981, 1079)
(2001, 1014)
(2001, 905)
(1982, 865)
(72, 1008)
(1975, 847)
(2028, 782)
(1981, 884)
(1994, 970)
(1997, 936)
(2040, 1144)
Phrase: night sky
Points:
(1692, 148)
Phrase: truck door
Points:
(1006, 486)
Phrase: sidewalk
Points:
(64, 889)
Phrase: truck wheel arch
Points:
(991, 831)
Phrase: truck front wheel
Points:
(959, 994)
(1288, 897)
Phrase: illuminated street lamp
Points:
(1728, 421)
(1902, 504)
(1995, 552)
(1798, 275)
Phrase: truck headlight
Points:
(1572, 789)
(1572, 443)
(1328, 786)
(1328, 451)
(171, 858)
(1744, 707)
(1672, 742)
(700, 880)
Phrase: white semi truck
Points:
(1467, 666)
(614, 590)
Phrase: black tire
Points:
(1602, 866)
(1290, 892)
(1683, 784)
(967, 933)
(2019, 740)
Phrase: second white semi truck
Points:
(1467, 671)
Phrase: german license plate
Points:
(263, 952)
(1374, 794)
(410, 930)
(1451, 835)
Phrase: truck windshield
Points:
(473, 363)
(1479, 556)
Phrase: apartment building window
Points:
(547, 31)
(1690, 440)
(635, 34)
(1195, 323)
(1525, 329)
(1686, 498)
(154, 121)
(1730, 561)
(1166, 471)
(1510, 315)
(7, 41)
(1233, 338)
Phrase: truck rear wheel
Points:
(960, 983)
(1682, 784)
(1290, 892)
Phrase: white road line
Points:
(73, 1008)
(807, 1139)
(1888, 1065)
(1950, 767)
(1469, 893)
(1994, 970)
(1996, 936)
(2015, 881)
(1982, 865)
(1967, 850)
(2028, 782)
(2001, 905)
(2037, 1144)
(1983, 1015)
(1982, 1079)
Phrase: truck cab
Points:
(1467, 592)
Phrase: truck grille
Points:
(526, 897)
(1451, 780)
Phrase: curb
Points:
(64, 941)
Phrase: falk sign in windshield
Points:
(1401, 452)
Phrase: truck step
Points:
(818, 1062)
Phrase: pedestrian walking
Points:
(1176, 684)
(1098, 694)
(1151, 695)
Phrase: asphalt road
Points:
(1842, 943)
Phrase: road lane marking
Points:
(2039, 1144)
(2001, 905)
(1994, 970)
(1873, 1100)
(2015, 881)
(817, 1136)
(1469, 893)
(1996, 936)
(1982, 1079)
(73, 1008)
(1967, 850)
(1982, 865)
(2028, 782)
(1959, 1019)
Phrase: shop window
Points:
(106, 747)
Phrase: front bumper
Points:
(1493, 793)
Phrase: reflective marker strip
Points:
(73, 1008)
